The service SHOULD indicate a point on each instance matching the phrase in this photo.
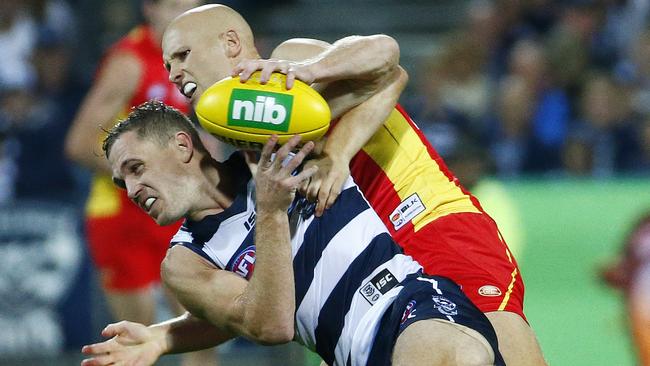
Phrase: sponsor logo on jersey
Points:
(444, 305)
(409, 312)
(378, 285)
(406, 211)
(489, 290)
(257, 109)
(244, 264)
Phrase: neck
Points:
(219, 188)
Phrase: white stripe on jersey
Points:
(359, 313)
(344, 248)
(231, 232)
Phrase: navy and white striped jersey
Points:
(347, 268)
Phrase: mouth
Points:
(188, 89)
(149, 203)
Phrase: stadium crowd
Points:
(541, 88)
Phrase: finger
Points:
(237, 69)
(102, 360)
(314, 187)
(267, 150)
(268, 68)
(291, 77)
(304, 186)
(250, 68)
(97, 348)
(114, 329)
(335, 191)
(299, 157)
(326, 191)
(304, 175)
(323, 192)
(283, 152)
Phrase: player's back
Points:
(405, 180)
(347, 268)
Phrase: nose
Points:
(175, 75)
(133, 189)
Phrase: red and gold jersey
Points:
(105, 199)
(405, 180)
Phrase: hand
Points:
(132, 344)
(293, 70)
(326, 184)
(275, 186)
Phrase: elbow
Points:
(389, 50)
(273, 335)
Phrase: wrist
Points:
(162, 340)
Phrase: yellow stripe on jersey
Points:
(400, 153)
(104, 199)
(104, 196)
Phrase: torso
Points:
(346, 266)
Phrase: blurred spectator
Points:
(550, 109)
(569, 43)
(17, 39)
(635, 72)
(630, 272)
(606, 130)
(514, 106)
(452, 93)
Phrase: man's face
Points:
(194, 58)
(152, 176)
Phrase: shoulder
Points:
(299, 49)
(181, 263)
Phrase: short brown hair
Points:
(154, 120)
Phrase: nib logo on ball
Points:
(256, 109)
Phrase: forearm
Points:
(348, 137)
(188, 333)
(269, 299)
(355, 58)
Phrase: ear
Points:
(183, 146)
(232, 44)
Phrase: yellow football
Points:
(246, 114)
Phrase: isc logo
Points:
(252, 108)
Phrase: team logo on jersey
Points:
(489, 290)
(244, 264)
(257, 109)
(444, 305)
(378, 285)
(406, 211)
(409, 312)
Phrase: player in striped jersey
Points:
(337, 284)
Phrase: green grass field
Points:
(571, 228)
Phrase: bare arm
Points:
(355, 127)
(106, 99)
(346, 73)
(137, 345)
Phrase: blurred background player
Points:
(126, 246)
(631, 273)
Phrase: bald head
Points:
(214, 20)
(203, 45)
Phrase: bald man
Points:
(424, 207)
